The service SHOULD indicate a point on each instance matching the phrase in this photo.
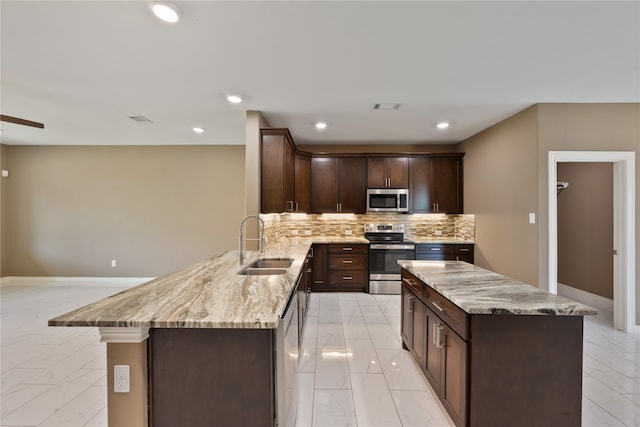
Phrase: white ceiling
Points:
(84, 67)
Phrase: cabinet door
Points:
(447, 174)
(303, 183)
(433, 354)
(398, 172)
(406, 312)
(352, 187)
(376, 172)
(272, 174)
(324, 184)
(289, 177)
(454, 385)
(420, 185)
(418, 331)
(318, 267)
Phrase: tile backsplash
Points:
(437, 226)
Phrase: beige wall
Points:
(3, 158)
(500, 188)
(585, 227)
(586, 127)
(70, 210)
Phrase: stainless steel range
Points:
(386, 247)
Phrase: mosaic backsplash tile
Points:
(436, 226)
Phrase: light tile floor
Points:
(353, 369)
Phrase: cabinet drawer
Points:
(453, 315)
(348, 261)
(348, 277)
(435, 251)
(355, 248)
(412, 283)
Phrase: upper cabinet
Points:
(277, 172)
(338, 184)
(435, 184)
(285, 174)
(387, 172)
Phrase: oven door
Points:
(384, 271)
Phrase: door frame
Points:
(624, 234)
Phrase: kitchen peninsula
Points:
(496, 351)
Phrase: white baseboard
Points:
(592, 300)
(73, 281)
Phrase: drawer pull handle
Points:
(464, 250)
(410, 301)
(409, 282)
(347, 261)
(439, 307)
(347, 277)
(436, 249)
(347, 249)
(437, 336)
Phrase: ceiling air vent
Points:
(386, 106)
(140, 119)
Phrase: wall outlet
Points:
(121, 379)
(113, 263)
(532, 218)
(5, 173)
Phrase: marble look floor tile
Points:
(366, 300)
(328, 299)
(80, 410)
(400, 370)
(16, 376)
(304, 416)
(594, 416)
(617, 405)
(310, 327)
(355, 327)
(350, 308)
(329, 314)
(333, 408)
(383, 336)
(362, 357)
(18, 396)
(307, 358)
(330, 335)
(99, 420)
(628, 368)
(373, 314)
(348, 296)
(66, 366)
(373, 402)
(609, 377)
(419, 409)
(332, 369)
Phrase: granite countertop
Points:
(208, 294)
(479, 291)
(439, 239)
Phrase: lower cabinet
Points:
(345, 268)
(445, 252)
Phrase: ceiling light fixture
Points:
(442, 125)
(321, 125)
(166, 11)
(235, 99)
(198, 130)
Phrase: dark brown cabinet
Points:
(302, 202)
(387, 172)
(318, 266)
(445, 252)
(347, 268)
(277, 174)
(413, 326)
(338, 185)
(435, 184)
(304, 289)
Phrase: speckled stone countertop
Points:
(208, 294)
(479, 291)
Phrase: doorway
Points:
(624, 296)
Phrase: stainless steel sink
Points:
(271, 263)
(267, 266)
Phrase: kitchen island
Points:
(205, 345)
(495, 350)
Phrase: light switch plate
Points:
(5, 173)
(532, 218)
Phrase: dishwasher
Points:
(286, 368)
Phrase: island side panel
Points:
(207, 377)
(525, 370)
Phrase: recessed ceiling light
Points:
(166, 11)
(442, 125)
(198, 130)
(234, 99)
(321, 125)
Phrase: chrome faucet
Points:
(242, 239)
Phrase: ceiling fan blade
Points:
(20, 121)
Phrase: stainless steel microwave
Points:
(387, 200)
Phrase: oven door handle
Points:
(392, 247)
